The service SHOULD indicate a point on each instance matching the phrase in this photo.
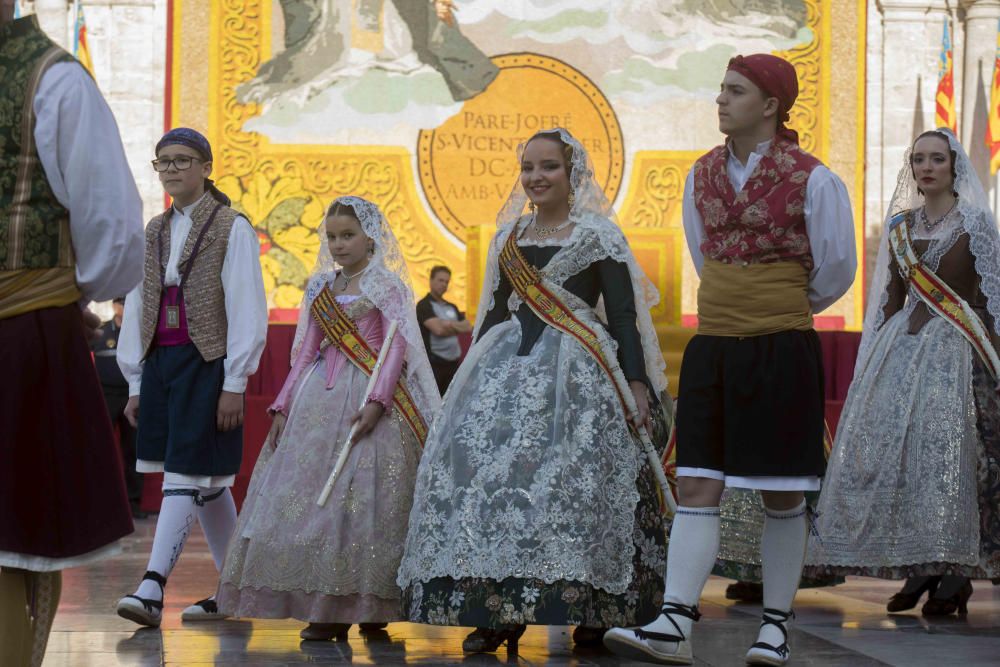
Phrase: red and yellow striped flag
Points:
(993, 119)
(944, 108)
(80, 49)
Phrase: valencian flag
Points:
(944, 109)
(993, 119)
(80, 49)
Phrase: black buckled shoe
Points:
(487, 640)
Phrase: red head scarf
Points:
(776, 77)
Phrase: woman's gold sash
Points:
(939, 297)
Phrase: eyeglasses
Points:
(180, 163)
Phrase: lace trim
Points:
(358, 308)
(595, 236)
(984, 244)
(497, 498)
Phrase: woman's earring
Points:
(531, 206)
(571, 199)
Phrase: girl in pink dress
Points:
(336, 565)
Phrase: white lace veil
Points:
(972, 215)
(386, 283)
(596, 236)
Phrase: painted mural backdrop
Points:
(420, 104)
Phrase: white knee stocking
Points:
(177, 517)
(694, 545)
(217, 517)
(783, 548)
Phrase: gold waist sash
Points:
(753, 299)
(25, 290)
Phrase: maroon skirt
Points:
(62, 493)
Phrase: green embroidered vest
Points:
(34, 226)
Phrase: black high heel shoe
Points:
(588, 636)
(324, 632)
(487, 640)
(902, 601)
(745, 591)
(959, 601)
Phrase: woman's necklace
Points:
(348, 277)
(925, 221)
(543, 232)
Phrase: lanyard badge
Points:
(173, 310)
(173, 317)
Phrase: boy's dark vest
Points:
(204, 297)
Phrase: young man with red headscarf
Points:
(770, 232)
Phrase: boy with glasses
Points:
(193, 333)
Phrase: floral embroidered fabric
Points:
(483, 602)
(763, 222)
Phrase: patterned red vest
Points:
(765, 221)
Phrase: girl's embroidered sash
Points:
(342, 332)
(939, 297)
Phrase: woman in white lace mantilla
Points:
(335, 565)
(913, 483)
(534, 503)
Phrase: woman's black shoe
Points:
(904, 600)
(372, 627)
(937, 606)
(324, 632)
(745, 591)
(487, 640)
(588, 636)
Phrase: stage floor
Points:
(845, 626)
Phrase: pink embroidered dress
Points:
(337, 563)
